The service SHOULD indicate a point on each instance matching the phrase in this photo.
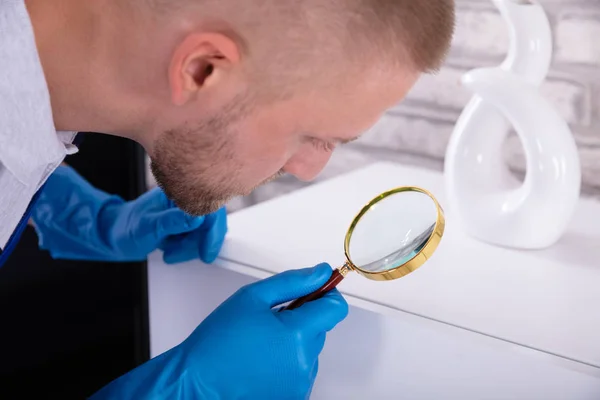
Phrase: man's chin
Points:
(205, 209)
(193, 207)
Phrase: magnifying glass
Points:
(392, 236)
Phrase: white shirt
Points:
(30, 147)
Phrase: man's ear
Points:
(200, 60)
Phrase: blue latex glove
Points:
(244, 349)
(76, 221)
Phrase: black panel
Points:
(69, 328)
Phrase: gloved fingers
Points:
(216, 229)
(290, 285)
(315, 369)
(313, 353)
(318, 343)
(204, 243)
(172, 222)
(318, 316)
(155, 200)
(181, 248)
(152, 229)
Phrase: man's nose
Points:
(307, 167)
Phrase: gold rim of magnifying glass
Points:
(414, 263)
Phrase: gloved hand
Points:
(244, 349)
(76, 221)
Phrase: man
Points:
(224, 96)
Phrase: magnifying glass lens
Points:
(386, 237)
(392, 231)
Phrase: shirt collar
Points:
(28, 138)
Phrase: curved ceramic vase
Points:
(484, 196)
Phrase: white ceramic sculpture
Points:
(485, 198)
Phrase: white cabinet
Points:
(475, 322)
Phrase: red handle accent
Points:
(336, 278)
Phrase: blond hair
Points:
(294, 36)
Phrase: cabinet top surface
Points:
(541, 299)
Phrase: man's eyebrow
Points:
(346, 141)
(333, 140)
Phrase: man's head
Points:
(224, 94)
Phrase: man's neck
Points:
(59, 31)
(75, 50)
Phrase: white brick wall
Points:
(480, 30)
(583, 28)
(443, 91)
(417, 130)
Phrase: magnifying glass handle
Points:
(336, 278)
